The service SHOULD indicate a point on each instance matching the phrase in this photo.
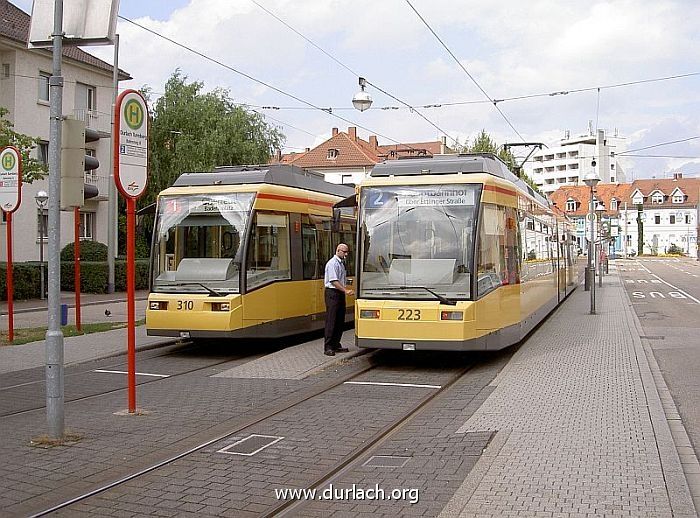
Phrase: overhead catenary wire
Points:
(493, 101)
(256, 80)
(356, 74)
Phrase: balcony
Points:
(94, 119)
(99, 181)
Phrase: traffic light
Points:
(74, 163)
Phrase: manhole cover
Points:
(386, 461)
(250, 445)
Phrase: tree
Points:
(483, 143)
(32, 169)
(196, 131)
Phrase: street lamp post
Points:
(362, 100)
(41, 198)
(591, 180)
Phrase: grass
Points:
(34, 334)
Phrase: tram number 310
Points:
(409, 314)
(185, 305)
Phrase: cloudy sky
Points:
(517, 52)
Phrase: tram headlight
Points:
(220, 306)
(369, 313)
(451, 315)
(158, 305)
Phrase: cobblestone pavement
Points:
(572, 425)
(578, 425)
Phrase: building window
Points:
(657, 198)
(678, 198)
(87, 225)
(638, 200)
(44, 86)
(687, 219)
(570, 205)
(657, 220)
(6, 70)
(613, 204)
(672, 219)
(332, 154)
(42, 152)
(612, 179)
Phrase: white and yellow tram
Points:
(456, 253)
(240, 252)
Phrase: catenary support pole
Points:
(112, 193)
(54, 335)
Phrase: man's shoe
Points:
(329, 353)
(342, 350)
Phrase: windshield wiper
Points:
(441, 298)
(212, 292)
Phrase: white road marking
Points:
(138, 373)
(391, 384)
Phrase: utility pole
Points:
(54, 335)
(112, 203)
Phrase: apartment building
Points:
(24, 91)
(568, 162)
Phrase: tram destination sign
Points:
(439, 196)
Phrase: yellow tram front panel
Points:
(168, 314)
(412, 320)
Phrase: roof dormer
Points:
(678, 196)
(637, 197)
(656, 197)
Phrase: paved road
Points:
(665, 295)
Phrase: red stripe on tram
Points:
(280, 197)
(500, 190)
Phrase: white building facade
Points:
(568, 162)
(87, 95)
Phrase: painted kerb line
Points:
(352, 493)
(138, 373)
(384, 384)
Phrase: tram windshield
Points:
(417, 237)
(198, 243)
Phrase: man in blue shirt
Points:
(335, 280)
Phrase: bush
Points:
(94, 276)
(26, 280)
(675, 250)
(89, 251)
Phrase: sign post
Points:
(10, 199)
(131, 176)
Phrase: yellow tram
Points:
(240, 252)
(456, 253)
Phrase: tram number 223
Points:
(409, 314)
(185, 305)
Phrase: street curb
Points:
(679, 492)
(39, 309)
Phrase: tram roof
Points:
(475, 163)
(273, 174)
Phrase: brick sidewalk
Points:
(580, 430)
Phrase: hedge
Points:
(93, 277)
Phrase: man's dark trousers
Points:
(335, 318)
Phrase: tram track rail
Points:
(332, 473)
(352, 460)
(230, 430)
(191, 346)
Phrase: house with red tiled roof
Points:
(24, 92)
(665, 210)
(347, 158)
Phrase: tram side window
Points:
(490, 266)
(268, 251)
(346, 234)
(310, 249)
